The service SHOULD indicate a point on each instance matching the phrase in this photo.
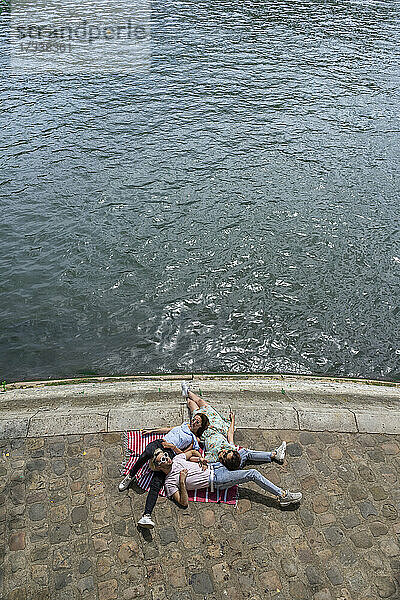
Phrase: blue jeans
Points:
(254, 456)
(223, 478)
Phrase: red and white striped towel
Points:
(135, 443)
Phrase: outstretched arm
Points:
(189, 454)
(160, 430)
(231, 430)
(174, 448)
(181, 497)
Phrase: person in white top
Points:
(189, 471)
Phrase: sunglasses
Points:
(164, 458)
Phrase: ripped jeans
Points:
(224, 478)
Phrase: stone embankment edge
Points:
(198, 376)
(260, 402)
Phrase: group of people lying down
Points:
(179, 466)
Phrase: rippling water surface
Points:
(234, 208)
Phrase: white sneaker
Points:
(290, 498)
(146, 522)
(125, 483)
(280, 453)
(185, 389)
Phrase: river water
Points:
(233, 206)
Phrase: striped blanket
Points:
(135, 443)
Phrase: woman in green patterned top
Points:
(218, 437)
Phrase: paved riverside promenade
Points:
(69, 534)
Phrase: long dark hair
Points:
(233, 462)
(204, 424)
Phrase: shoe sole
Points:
(288, 502)
(282, 458)
(147, 526)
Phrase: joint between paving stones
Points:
(29, 422)
(108, 421)
(355, 419)
(297, 417)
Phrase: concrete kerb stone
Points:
(379, 421)
(14, 426)
(340, 420)
(138, 418)
(54, 383)
(91, 397)
(269, 417)
(301, 384)
(54, 422)
(147, 403)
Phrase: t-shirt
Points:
(182, 437)
(196, 478)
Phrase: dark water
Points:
(235, 208)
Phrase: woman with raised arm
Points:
(219, 436)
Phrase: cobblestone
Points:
(16, 541)
(367, 509)
(70, 535)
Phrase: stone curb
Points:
(199, 377)
(259, 403)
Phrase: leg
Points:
(157, 481)
(254, 456)
(192, 406)
(225, 478)
(141, 461)
(156, 484)
(195, 399)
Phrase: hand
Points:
(203, 463)
(231, 415)
(183, 474)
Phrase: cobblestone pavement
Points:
(69, 534)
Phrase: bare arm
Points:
(231, 430)
(181, 497)
(195, 456)
(160, 430)
(189, 454)
(172, 446)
